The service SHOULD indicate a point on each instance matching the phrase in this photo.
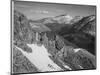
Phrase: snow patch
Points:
(77, 49)
(67, 67)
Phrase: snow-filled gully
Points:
(40, 58)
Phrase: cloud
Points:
(40, 11)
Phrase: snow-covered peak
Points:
(92, 17)
(63, 19)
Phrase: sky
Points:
(39, 10)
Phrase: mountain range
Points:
(69, 40)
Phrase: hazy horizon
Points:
(37, 10)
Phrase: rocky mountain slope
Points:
(82, 33)
(87, 25)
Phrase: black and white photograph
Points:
(52, 37)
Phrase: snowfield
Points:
(40, 58)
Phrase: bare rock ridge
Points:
(64, 40)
